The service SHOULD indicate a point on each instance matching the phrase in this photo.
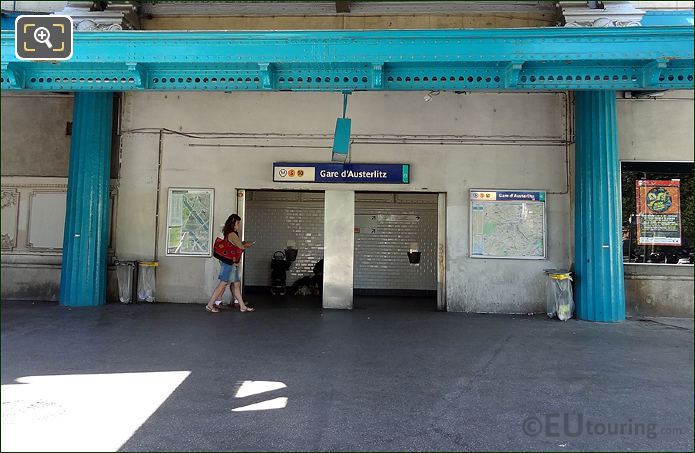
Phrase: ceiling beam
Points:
(495, 59)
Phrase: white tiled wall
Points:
(272, 219)
(381, 262)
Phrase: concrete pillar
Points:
(338, 248)
(599, 282)
(85, 241)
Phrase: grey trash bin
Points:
(146, 280)
(558, 291)
(125, 274)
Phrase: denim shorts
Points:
(229, 273)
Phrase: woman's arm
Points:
(234, 239)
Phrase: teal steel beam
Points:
(599, 281)
(618, 58)
(85, 238)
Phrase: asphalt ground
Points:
(392, 374)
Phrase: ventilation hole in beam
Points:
(390, 79)
(300, 79)
(488, 79)
(49, 80)
(281, 79)
(74, 80)
(624, 77)
(308, 79)
(416, 79)
(478, 79)
(551, 78)
(399, 79)
(364, 79)
(470, 79)
(336, 79)
(615, 77)
(595, 78)
(690, 78)
(680, 77)
(407, 79)
(290, 79)
(155, 80)
(560, 78)
(256, 79)
(427, 79)
(346, 79)
(497, 78)
(33, 79)
(523, 78)
(670, 78)
(532, 78)
(461, 78)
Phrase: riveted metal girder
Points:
(498, 59)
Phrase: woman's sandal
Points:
(212, 310)
(249, 309)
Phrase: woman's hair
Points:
(229, 224)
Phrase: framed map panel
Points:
(507, 224)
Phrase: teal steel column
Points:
(600, 288)
(83, 273)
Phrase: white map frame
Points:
(211, 192)
(470, 226)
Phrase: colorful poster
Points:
(658, 212)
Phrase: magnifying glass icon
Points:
(42, 35)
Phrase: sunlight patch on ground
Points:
(81, 412)
(250, 388)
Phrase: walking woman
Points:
(229, 273)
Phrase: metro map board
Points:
(507, 224)
(341, 173)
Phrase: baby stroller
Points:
(279, 266)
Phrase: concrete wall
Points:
(659, 290)
(33, 134)
(454, 143)
(492, 141)
(354, 22)
(659, 129)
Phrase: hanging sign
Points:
(342, 173)
(658, 212)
